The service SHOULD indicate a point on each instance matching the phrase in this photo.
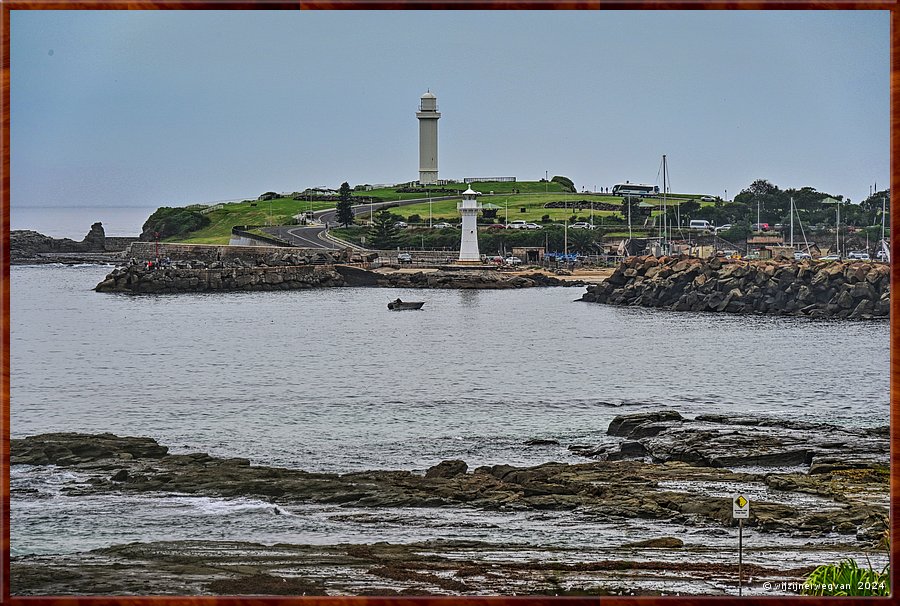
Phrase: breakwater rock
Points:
(470, 279)
(217, 276)
(817, 289)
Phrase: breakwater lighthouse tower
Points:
(428, 116)
(468, 246)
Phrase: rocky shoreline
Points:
(815, 289)
(814, 480)
(31, 247)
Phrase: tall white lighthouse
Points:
(468, 246)
(428, 116)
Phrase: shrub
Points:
(170, 222)
(566, 183)
(414, 219)
(545, 219)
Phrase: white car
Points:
(581, 225)
(707, 199)
(517, 225)
(725, 227)
(404, 258)
(441, 225)
(512, 261)
(532, 226)
(830, 258)
(801, 255)
(859, 256)
(400, 224)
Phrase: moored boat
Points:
(399, 305)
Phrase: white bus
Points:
(635, 189)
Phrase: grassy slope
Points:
(281, 211)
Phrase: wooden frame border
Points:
(10, 5)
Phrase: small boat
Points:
(399, 305)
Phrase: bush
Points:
(170, 222)
(414, 219)
(566, 183)
(545, 219)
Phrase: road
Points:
(314, 236)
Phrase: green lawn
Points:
(511, 206)
(271, 212)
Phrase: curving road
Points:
(314, 236)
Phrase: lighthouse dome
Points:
(428, 95)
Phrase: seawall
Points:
(817, 289)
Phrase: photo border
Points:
(6, 6)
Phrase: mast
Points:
(837, 230)
(665, 209)
(792, 222)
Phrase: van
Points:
(699, 224)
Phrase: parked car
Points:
(401, 224)
(801, 255)
(496, 226)
(512, 261)
(707, 199)
(830, 258)
(881, 255)
(760, 227)
(441, 225)
(581, 225)
(725, 227)
(532, 226)
(699, 224)
(752, 256)
(404, 258)
(858, 255)
(517, 225)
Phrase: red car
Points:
(496, 226)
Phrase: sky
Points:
(155, 108)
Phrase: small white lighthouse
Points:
(468, 246)
(428, 116)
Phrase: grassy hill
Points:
(279, 211)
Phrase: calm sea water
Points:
(74, 223)
(330, 380)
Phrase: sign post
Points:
(740, 512)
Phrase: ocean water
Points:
(74, 223)
(330, 380)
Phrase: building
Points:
(468, 245)
(428, 116)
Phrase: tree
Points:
(345, 205)
(637, 213)
(384, 231)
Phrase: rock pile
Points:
(845, 289)
(470, 279)
(219, 275)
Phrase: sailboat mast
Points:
(792, 223)
(665, 209)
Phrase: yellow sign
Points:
(741, 501)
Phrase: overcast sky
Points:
(151, 108)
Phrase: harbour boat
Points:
(399, 305)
